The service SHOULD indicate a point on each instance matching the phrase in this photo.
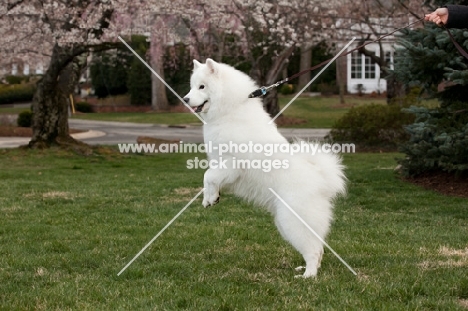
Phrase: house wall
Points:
(26, 66)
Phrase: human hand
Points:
(439, 16)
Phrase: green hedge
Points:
(25, 119)
(16, 93)
(84, 107)
(16, 79)
(373, 126)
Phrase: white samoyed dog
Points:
(307, 183)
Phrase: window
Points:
(369, 68)
(356, 65)
(362, 67)
(39, 69)
(389, 59)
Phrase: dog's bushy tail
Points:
(331, 167)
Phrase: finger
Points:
(431, 17)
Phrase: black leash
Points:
(264, 89)
(457, 45)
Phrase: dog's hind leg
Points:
(301, 268)
(304, 241)
(312, 263)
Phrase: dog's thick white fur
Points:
(310, 183)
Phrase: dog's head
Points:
(218, 89)
(202, 85)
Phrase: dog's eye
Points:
(202, 87)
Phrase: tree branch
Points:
(408, 9)
(11, 6)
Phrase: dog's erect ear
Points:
(212, 65)
(196, 64)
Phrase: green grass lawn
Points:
(8, 110)
(69, 224)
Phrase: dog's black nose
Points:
(186, 99)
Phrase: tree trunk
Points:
(396, 91)
(51, 100)
(341, 77)
(305, 63)
(270, 101)
(159, 100)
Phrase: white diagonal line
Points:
(313, 79)
(161, 79)
(312, 230)
(159, 233)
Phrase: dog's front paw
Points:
(210, 200)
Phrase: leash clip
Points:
(265, 89)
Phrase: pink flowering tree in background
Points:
(273, 30)
(64, 32)
(256, 36)
(260, 36)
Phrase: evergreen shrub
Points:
(438, 140)
(25, 119)
(83, 107)
(372, 126)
